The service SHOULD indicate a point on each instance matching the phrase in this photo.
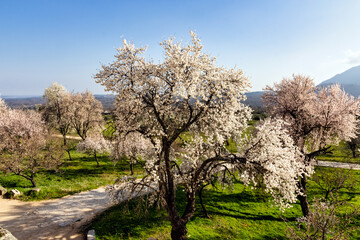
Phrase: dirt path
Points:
(52, 219)
(338, 165)
(63, 218)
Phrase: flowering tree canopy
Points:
(186, 94)
(58, 108)
(86, 113)
(316, 117)
(23, 137)
(94, 145)
(132, 146)
(3, 106)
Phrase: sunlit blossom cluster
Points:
(94, 145)
(272, 155)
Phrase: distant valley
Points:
(349, 81)
(32, 101)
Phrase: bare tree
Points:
(87, 114)
(332, 181)
(316, 117)
(188, 94)
(325, 222)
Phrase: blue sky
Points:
(67, 41)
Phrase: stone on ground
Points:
(14, 193)
(2, 191)
(6, 235)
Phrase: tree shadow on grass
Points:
(122, 221)
(128, 219)
(250, 216)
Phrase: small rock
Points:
(91, 235)
(6, 235)
(35, 190)
(14, 193)
(2, 191)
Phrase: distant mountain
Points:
(253, 99)
(27, 102)
(349, 81)
(30, 102)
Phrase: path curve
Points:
(63, 218)
(52, 219)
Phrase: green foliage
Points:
(109, 130)
(340, 153)
(351, 194)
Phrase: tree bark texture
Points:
(303, 198)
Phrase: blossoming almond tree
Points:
(132, 146)
(188, 94)
(317, 117)
(86, 113)
(23, 142)
(58, 110)
(94, 145)
(3, 106)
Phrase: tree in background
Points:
(23, 144)
(317, 117)
(3, 106)
(87, 114)
(188, 94)
(94, 145)
(132, 147)
(58, 110)
(353, 145)
(331, 182)
(325, 221)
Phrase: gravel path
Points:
(338, 165)
(63, 218)
(52, 219)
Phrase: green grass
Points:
(234, 215)
(340, 153)
(238, 214)
(79, 174)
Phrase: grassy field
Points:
(239, 214)
(340, 153)
(79, 174)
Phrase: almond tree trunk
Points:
(68, 151)
(201, 201)
(33, 182)
(178, 230)
(96, 159)
(178, 224)
(303, 198)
